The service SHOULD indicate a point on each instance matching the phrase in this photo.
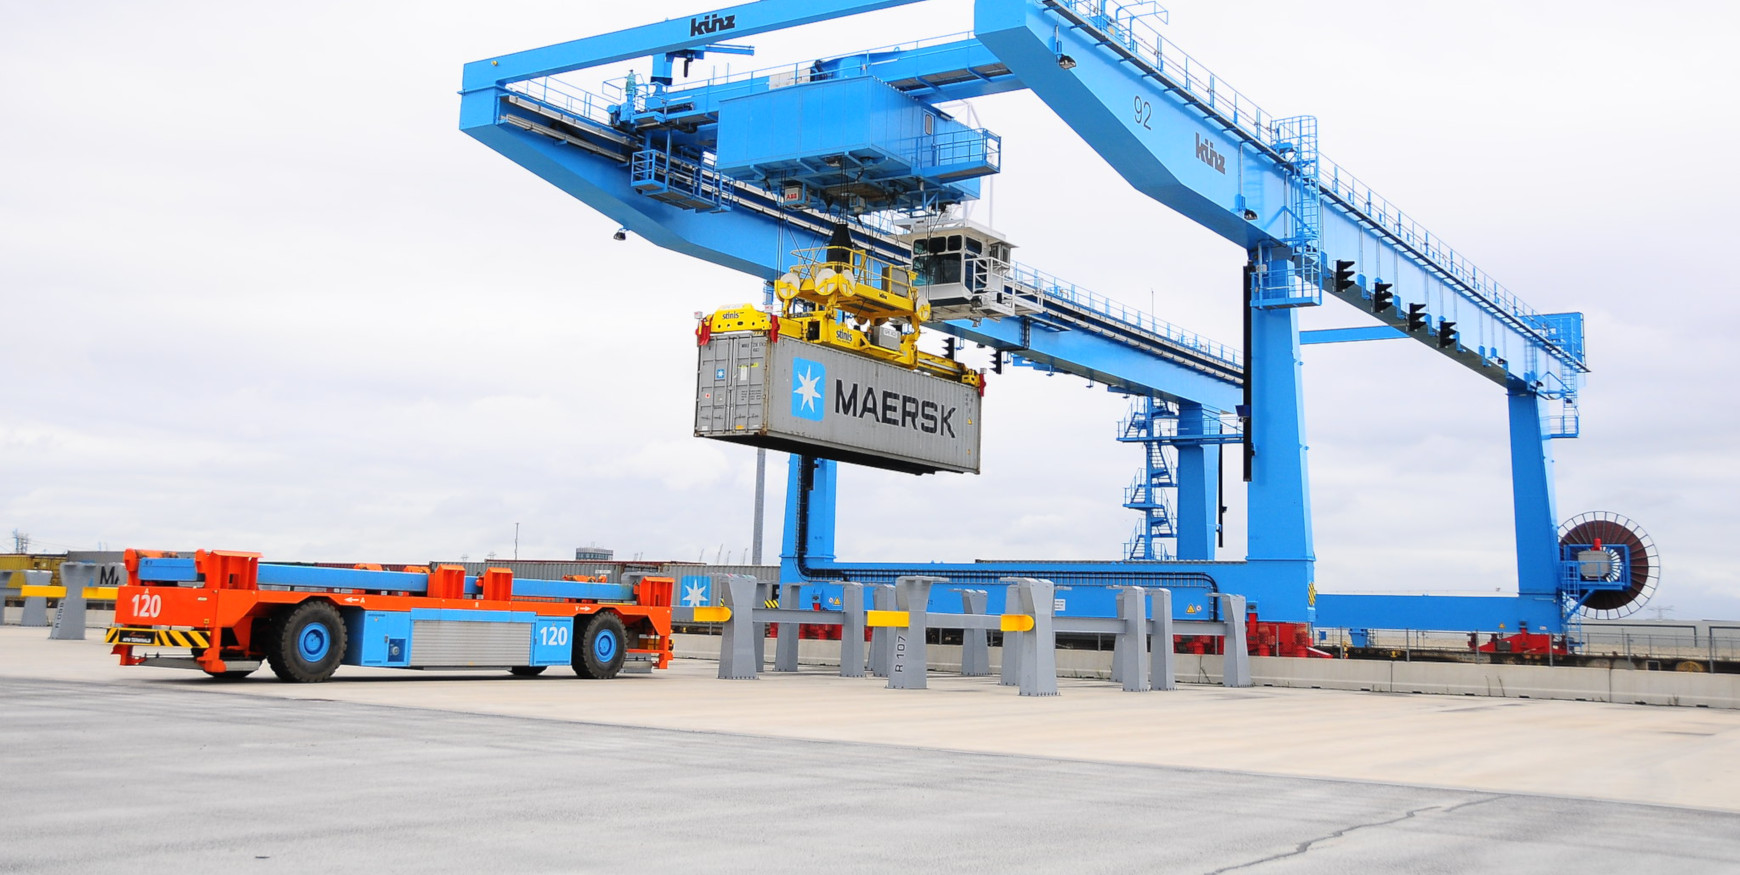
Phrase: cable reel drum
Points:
(1611, 565)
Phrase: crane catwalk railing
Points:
(1239, 113)
(559, 95)
(1053, 287)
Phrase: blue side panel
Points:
(552, 640)
(1434, 613)
(378, 638)
(464, 616)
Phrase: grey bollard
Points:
(1132, 662)
(882, 638)
(763, 594)
(69, 617)
(737, 646)
(1236, 670)
(1120, 642)
(36, 606)
(785, 651)
(852, 630)
(1009, 674)
(1163, 670)
(975, 643)
(1038, 647)
(911, 658)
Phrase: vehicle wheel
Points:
(234, 674)
(307, 643)
(600, 647)
(527, 671)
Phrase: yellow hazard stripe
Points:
(157, 637)
(770, 603)
(895, 619)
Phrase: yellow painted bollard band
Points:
(890, 619)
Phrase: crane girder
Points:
(671, 35)
(1189, 141)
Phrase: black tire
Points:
(600, 647)
(527, 671)
(234, 674)
(307, 643)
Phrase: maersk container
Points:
(814, 400)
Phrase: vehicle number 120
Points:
(147, 604)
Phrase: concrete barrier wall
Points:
(1618, 685)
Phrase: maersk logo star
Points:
(806, 392)
(694, 595)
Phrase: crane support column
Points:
(1279, 494)
(1198, 477)
(1531, 476)
(809, 515)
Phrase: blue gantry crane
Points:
(853, 152)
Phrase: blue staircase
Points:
(1149, 493)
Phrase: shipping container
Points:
(804, 398)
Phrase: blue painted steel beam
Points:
(573, 589)
(1349, 335)
(911, 71)
(1198, 476)
(1465, 613)
(1534, 507)
(742, 240)
(1101, 359)
(673, 35)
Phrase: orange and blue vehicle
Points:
(233, 613)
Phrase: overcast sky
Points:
(258, 292)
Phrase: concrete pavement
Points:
(107, 768)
